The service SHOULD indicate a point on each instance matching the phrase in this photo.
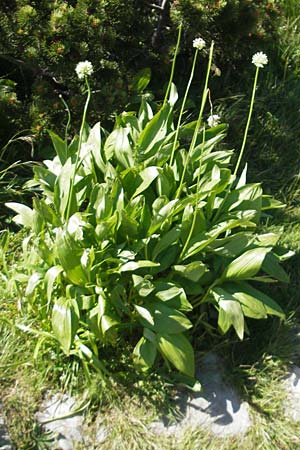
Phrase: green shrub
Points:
(135, 231)
(41, 43)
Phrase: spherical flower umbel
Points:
(84, 69)
(213, 120)
(259, 59)
(199, 43)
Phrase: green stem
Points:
(183, 105)
(199, 121)
(196, 204)
(68, 122)
(200, 300)
(242, 147)
(247, 124)
(78, 149)
(173, 65)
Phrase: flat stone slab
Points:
(292, 388)
(217, 407)
(67, 429)
(5, 443)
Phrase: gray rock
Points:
(5, 443)
(292, 388)
(217, 407)
(68, 431)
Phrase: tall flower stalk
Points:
(173, 65)
(84, 73)
(199, 44)
(199, 121)
(259, 60)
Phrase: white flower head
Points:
(199, 43)
(259, 59)
(84, 69)
(213, 120)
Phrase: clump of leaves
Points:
(134, 230)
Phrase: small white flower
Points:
(259, 59)
(199, 43)
(213, 120)
(84, 69)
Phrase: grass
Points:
(127, 406)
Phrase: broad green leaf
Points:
(33, 282)
(159, 217)
(177, 349)
(25, 215)
(230, 311)
(143, 286)
(232, 246)
(118, 144)
(60, 146)
(153, 134)
(192, 271)
(173, 294)
(145, 314)
(168, 319)
(141, 79)
(247, 265)
(46, 212)
(62, 190)
(65, 318)
(144, 354)
(251, 306)
(255, 296)
(94, 140)
(173, 97)
(202, 240)
(145, 113)
(266, 240)
(147, 175)
(69, 254)
(268, 202)
(166, 241)
(134, 265)
(272, 267)
(243, 178)
(50, 278)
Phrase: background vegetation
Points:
(40, 45)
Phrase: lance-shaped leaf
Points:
(177, 349)
(168, 319)
(70, 253)
(192, 271)
(247, 265)
(144, 354)
(255, 303)
(166, 241)
(60, 146)
(147, 176)
(154, 133)
(230, 311)
(50, 278)
(134, 265)
(25, 215)
(118, 144)
(272, 267)
(63, 194)
(65, 318)
(94, 141)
